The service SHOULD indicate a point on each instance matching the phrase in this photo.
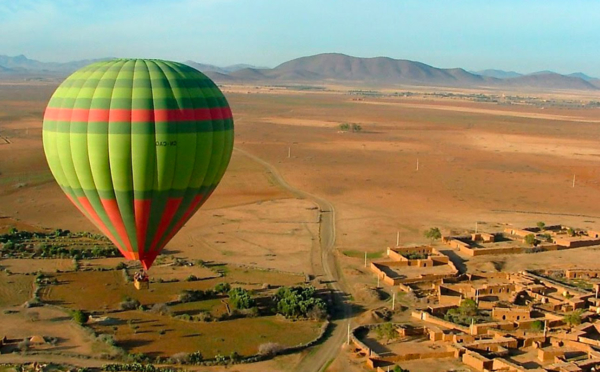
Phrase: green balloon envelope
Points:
(138, 146)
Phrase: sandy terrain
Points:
(48, 322)
(481, 162)
(18, 266)
(470, 109)
(276, 234)
(476, 162)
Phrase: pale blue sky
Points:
(526, 36)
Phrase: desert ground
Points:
(419, 161)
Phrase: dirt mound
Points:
(382, 314)
(365, 293)
(352, 272)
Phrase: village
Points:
(534, 320)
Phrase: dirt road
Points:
(328, 350)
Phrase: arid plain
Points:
(420, 161)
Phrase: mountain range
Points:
(335, 67)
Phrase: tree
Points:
(570, 232)
(356, 128)
(222, 288)
(397, 368)
(573, 318)
(80, 317)
(240, 298)
(129, 303)
(433, 233)
(298, 302)
(96, 251)
(468, 307)
(541, 225)
(194, 295)
(387, 331)
(537, 326)
(530, 239)
(344, 127)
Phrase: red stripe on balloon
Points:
(142, 216)
(114, 214)
(86, 208)
(196, 204)
(167, 216)
(148, 258)
(136, 115)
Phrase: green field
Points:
(361, 254)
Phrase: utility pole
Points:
(393, 301)
(597, 288)
(348, 333)
(397, 238)
(417, 164)
(573, 180)
(365, 258)
(289, 152)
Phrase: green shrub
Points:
(240, 298)
(297, 302)
(222, 288)
(79, 317)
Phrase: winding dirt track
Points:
(328, 350)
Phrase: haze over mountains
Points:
(334, 67)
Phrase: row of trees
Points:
(44, 250)
(22, 235)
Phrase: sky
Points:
(520, 35)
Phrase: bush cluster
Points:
(136, 367)
(299, 302)
(240, 298)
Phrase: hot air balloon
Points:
(138, 146)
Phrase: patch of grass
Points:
(209, 338)
(213, 306)
(361, 254)
(15, 289)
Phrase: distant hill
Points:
(223, 70)
(543, 72)
(384, 70)
(21, 64)
(336, 67)
(550, 80)
(583, 76)
(498, 74)
(340, 67)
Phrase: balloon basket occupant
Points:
(141, 280)
(138, 145)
